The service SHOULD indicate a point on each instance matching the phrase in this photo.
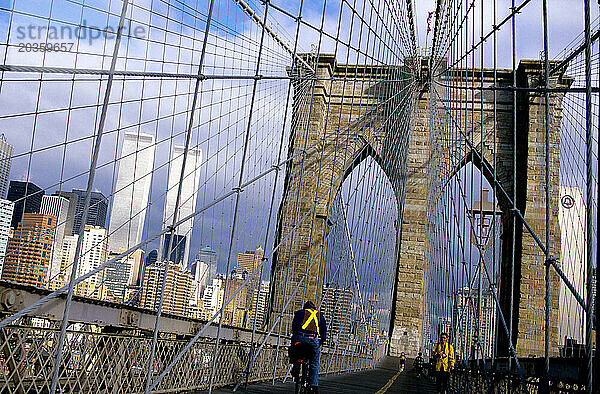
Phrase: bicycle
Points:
(301, 386)
(300, 354)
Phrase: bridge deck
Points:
(384, 378)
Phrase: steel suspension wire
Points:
(251, 275)
(86, 204)
(177, 202)
(207, 97)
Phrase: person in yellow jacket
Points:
(443, 354)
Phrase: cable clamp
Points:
(237, 189)
(276, 167)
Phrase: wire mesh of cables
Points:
(218, 161)
(512, 281)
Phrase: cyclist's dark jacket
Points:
(419, 362)
(304, 316)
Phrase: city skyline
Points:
(127, 277)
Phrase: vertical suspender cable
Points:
(177, 202)
(513, 217)
(589, 187)
(238, 190)
(86, 204)
(545, 383)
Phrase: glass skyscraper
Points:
(58, 207)
(27, 198)
(6, 151)
(96, 213)
(189, 192)
(178, 248)
(130, 200)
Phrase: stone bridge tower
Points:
(361, 111)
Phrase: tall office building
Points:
(71, 213)
(27, 198)
(123, 275)
(212, 299)
(96, 213)
(336, 307)
(249, 261)
(236, 311)
(6, 151)
(30, 250)
(257, 309)
(178, 248)
(465, 324)
(94, 251)
(199, 271)
(130, 199)
(366, 332)
(204, 270)
(571, 219)
(177, 291)
(6, 211)
(67, 257)
(187, 205)
(59, 208)
(152, 257)
(209, 256)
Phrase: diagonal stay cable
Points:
(515, 210)
(88, 195)
(218, 200)
(195, 338)
(238, 192)
(177, 201)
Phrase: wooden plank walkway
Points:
(385, 378)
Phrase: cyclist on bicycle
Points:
(309, 327)
(402, 361)
(419, 364)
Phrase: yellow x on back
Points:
(313, 316)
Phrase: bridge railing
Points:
(100, 362)
(103, 355)
(567, 375)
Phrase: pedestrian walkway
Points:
(385, 378)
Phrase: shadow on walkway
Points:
(371, 381)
